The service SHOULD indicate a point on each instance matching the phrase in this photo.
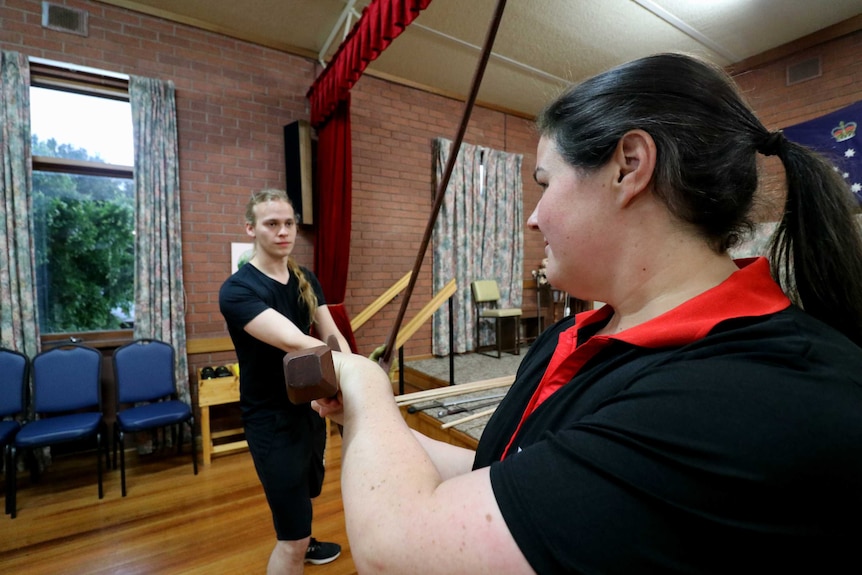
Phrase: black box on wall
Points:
(299, 169)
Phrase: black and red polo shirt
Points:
(726, 432)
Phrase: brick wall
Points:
(233, 98)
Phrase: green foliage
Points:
(84, 246)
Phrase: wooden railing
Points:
(378, 304)
(410, 328)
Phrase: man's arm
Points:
(278, 331)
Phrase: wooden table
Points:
(217, 391)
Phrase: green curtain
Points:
(19, 323)
(479, 234)
(159, 296)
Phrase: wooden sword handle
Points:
(309, 374)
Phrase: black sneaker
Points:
(320, 552)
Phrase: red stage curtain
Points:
(332, 247)
(339, 314)
(381, 22)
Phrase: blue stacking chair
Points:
(147, 396)
(67, 405)
(14, 376)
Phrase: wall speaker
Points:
(299, 169)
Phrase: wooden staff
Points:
(385, 360)
(461, 388)
(476, 415)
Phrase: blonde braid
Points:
(306, 293)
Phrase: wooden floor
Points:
(171, 521)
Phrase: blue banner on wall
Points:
(834, 135)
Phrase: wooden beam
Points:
(385, 359)
(405, 333)
(467, 418)
(378, 304)
(461, 388)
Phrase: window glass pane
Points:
(84, 236)
(99, 129)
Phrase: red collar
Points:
(748, 292)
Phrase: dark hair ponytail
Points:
(816, 251)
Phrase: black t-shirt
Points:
(244, 296)
(738, 452)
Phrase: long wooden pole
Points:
(460, 389)
(385, 360)
(467, 418)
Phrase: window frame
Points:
(58, 77)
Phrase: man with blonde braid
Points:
(270, 305)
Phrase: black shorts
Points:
(287, 449)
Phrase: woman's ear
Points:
(635, 157)
(249, 229)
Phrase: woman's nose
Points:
(533, 220)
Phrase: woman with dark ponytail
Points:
(706, 419)
(270, 305)
(707, 173)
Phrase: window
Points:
(83, 200)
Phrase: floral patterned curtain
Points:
(19, 325)
(159, 295)
(479, 234)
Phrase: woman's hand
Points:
(330, 407)
(359, 379)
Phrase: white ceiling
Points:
(541, 45)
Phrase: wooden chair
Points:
(486, 297)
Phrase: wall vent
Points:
(802, 71)
(64, 19)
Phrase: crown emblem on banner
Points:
(844, 131)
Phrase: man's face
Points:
(274, 229)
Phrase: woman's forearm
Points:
(450, 460)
